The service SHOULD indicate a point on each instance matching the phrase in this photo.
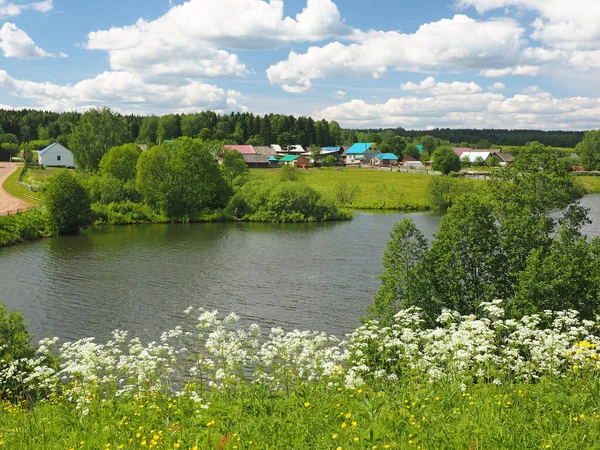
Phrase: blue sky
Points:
(371, 63)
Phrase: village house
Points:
(241, 149)
(356, 153)
(384, 160)
(55, 155)
(290, 150)
(295, 160)
(411, 162)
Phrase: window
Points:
(58, 157)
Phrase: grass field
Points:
(590, 184)
(13, 188)
(37, 177)
(375, 189)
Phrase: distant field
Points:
(376, 189)
(12, 187)
(37, 177)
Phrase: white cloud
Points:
(497, 86)
(467, 105)
(528, 71)
(123, 90)
(458, 44)
(339, 94)
(15, 43)
(189, 39)
(14, 9)
(570, 30)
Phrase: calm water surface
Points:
(141, 278)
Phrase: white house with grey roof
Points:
(55, 155)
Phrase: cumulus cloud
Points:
(15, 43)
(189, 39)
(123, 89)
(457, 44)
(529, 71)
(466, 105)
(570, 31)
(339, 94)
(14, 9)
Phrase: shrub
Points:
(68, 203)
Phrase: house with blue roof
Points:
(384, 160)
(55, 155)
(356, 153)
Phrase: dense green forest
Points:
(32, 129)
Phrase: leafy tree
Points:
(467, 263)
(255, 140)
(425, 157)
(397, 146)
(120, 162)
(182, 178)
(443, 191)
(428, 143)
(329, 160)
(234, 168)
(401, 281)
(412, 150)
(168, 127)
(589, 150)
(290, 173)
(445, 160)
(97, 131)
(68, 203)
(191, 125)
(315, 152)
(484, 144)
(286, 140)
(148, 130)
(345, 192)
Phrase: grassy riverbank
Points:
(552, 414)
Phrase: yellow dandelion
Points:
(306, 404)
(344, 425)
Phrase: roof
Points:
(254, 158)
(506, 157)
(472, 156)
(331, 149)
(359, 148)
(386, 156)
(288, 158)
(293, 149)
(243, 149)
(419, 147)
(264, 150)
(47, 148)
(410, 158)
(460, 150)
(273, 159)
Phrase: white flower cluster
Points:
(470, 348)
(216, 354)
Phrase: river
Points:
(141, 278)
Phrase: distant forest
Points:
(38, 127)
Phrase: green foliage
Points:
(168, 128)
(412, 150)
(315, 152)
(28, 225)
(428, 143)
(234, 168)
(124, 212)
(120, 162)
(589, 150)
(345, 192)
(286, 140)
(290, 173)
(285, 201)
(182, 178)
(445, 160)
(519, 241)
(444, 190)
(401, 280)
(148, 130)
(68, 203)
(97, 131)
(329, 160)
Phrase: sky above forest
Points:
(371, 63)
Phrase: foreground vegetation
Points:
(470, 382)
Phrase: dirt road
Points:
(8, 203)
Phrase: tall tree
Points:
(589, 150)
(68, 203)
(97, 131)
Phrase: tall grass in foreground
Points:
(473, 382)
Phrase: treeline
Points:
(33, 129)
